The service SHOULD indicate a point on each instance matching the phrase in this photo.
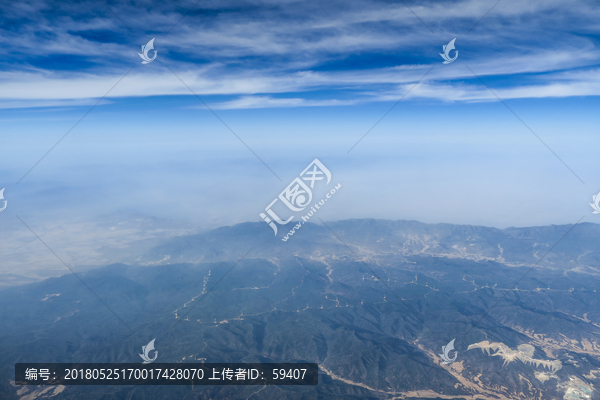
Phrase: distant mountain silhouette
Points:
(513, 245)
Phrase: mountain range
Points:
(371, 301)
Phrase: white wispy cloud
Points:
(271, 102)
(255, 50)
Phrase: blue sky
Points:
(290, 54)
(297, 81)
